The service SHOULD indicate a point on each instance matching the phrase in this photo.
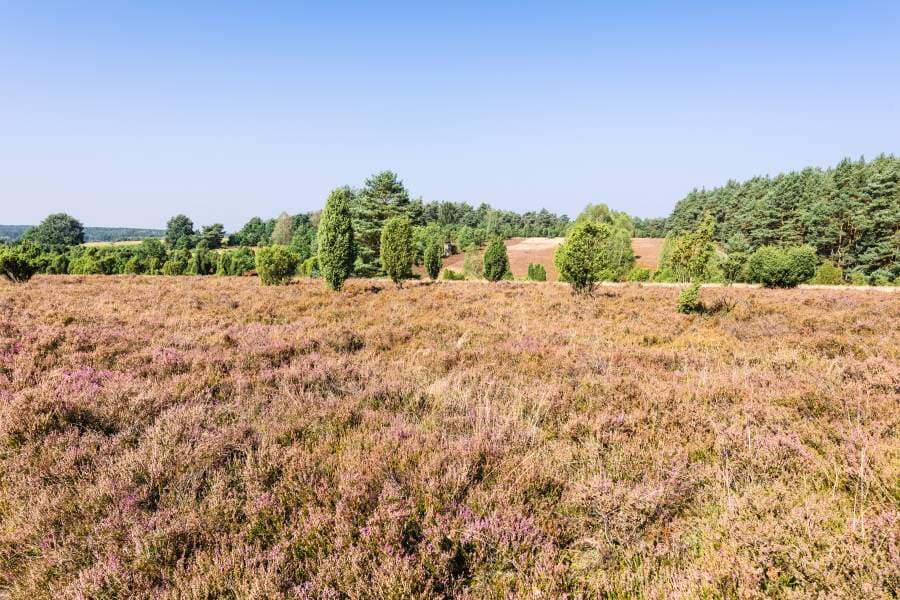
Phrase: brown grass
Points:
(205, 438)
(523, 251)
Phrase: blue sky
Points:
(125, 113)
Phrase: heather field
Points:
(207, 438)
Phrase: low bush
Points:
(451, 275)
(828, 274)
(15, 266)
(781, 267)
(537, 272)
(638, 274)
(275, 265)
(689, 299)
(858, 278)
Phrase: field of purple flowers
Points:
(208, 438)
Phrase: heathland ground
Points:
(205, 437)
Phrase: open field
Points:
(523, 251)
(203, 437)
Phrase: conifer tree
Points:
(337, 245)
(397, 252)
(496, 260)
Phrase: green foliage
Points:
(383, 197)
(781, 267)
(275, 265)
(212, 235)
(397, 252)
(473, 265)
(858, 278)
(336, 239)
(734, 266)
(536, 272)
(689, 299)
(201, 262)
(590, 254)
(253, 233)
(310, 267)
(828, 274)
(638, 274)
(283, 232)
(180, 232)
(467, 238)
(433, 258)
(451, 275)
(58, 231)
(496, 260)
(16, 266)
(177, 263)
(58, 264)
(690, 256)
(849, 214)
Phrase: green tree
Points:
(253, 233)
(180, 232)
(781, 267)
(397, 251)
(496, 260)
(275, 265)
(212, 235)
(283, 232)
(57, 232)
(537, 272)
(382, 197)
(828, 274)
(583, 259)
(16, 266)
(433, 257)
(335, 236)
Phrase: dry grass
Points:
(540, 250)
(206, 438)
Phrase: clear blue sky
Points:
(125, 113)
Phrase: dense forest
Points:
(849, 214)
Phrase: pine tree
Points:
(382, 197)
(337, 246)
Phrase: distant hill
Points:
(91, 234)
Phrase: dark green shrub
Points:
(828, 274)
(177, 263)
(397, 252)
(451, 275)
(496, 260)
(16, 266)
(734, 267)
(201, 262)
(781, 267)
(433, 257)
(337, 247)
(537, 272)
(275, 265)
(57, 265)
(689, 299)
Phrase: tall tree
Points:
(58, 231)
(284, 230)
(382, 197)
(180, 232)
(337, 245)
(397, 251)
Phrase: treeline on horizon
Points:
(849, 215)
(12, 233)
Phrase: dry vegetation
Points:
(206, 438)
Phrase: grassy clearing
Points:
(204, 437)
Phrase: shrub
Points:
(473, 265)
(433, 257)
(881, 277)
(689, 299)
(337, 248)
(828, 274)
(781, 267)
(580, 259)
(16, 266)
(496, 260)
(451, 275)
(537, 272)
(638, 274)
(858, 278)
(397, 251)
(57, 265)
(309, 267)
(201, 262)
(275, 265)
(734, 267)
(133, 266)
